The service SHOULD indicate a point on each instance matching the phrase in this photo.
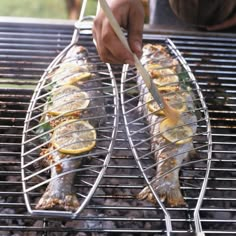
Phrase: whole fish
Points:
(168, 156)
(76, 73)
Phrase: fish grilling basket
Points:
(166, 151)
(69, 132)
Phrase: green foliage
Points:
(55, 9)
(43, 131)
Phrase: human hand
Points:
(130, 16)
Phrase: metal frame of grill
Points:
(32, 143)
(140, 138)
(26, 50)
(31, 151)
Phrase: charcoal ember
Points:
(43, 225)
(81, 234)
(108, 224)
(5, 233)
(93, 224)
(111, 212)
(147, 225)
(99, 200)
(111, 181)
(222, 215)
(6, 211)
(37, 224)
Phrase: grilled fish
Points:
(168, 152)
(63, 119)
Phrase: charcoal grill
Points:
(26, 51)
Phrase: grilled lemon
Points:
(168, 89)
(162, 76)
(74, 78)
(165, 77)
(70, 73)
(175, 100)
(68, 100)
(68, 67)
(176, 133)
(74, 137)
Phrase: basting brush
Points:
(170, 112)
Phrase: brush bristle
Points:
(171, 113)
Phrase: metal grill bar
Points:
(114, 209)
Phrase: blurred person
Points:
(213, 14)
(73, 8)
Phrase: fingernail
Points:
(138, 48)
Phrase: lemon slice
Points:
(162, 76)
(168, 89)
(69, 67)
(68, 100)
(153, 106)
(153, 66)
(175, 100)
(70, 72)
(74, 137)
(71, 79)
(66, 68)
(176, 133)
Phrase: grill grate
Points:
(26, 50)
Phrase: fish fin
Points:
(146, 194)
(172, 196)
(170, 192)
(68, 202)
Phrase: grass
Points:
(52, 9)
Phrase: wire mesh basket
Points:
(168, 153)
(69, 132)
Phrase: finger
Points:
(104, 52)
(109, 47)
(110, 58)
(95, 31)
(114, 45)
(136, 30)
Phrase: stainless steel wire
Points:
(35, 175)
(143, 131)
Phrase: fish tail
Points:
(147, 194)
(172, 196)
(59, 200)
(167, 192)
